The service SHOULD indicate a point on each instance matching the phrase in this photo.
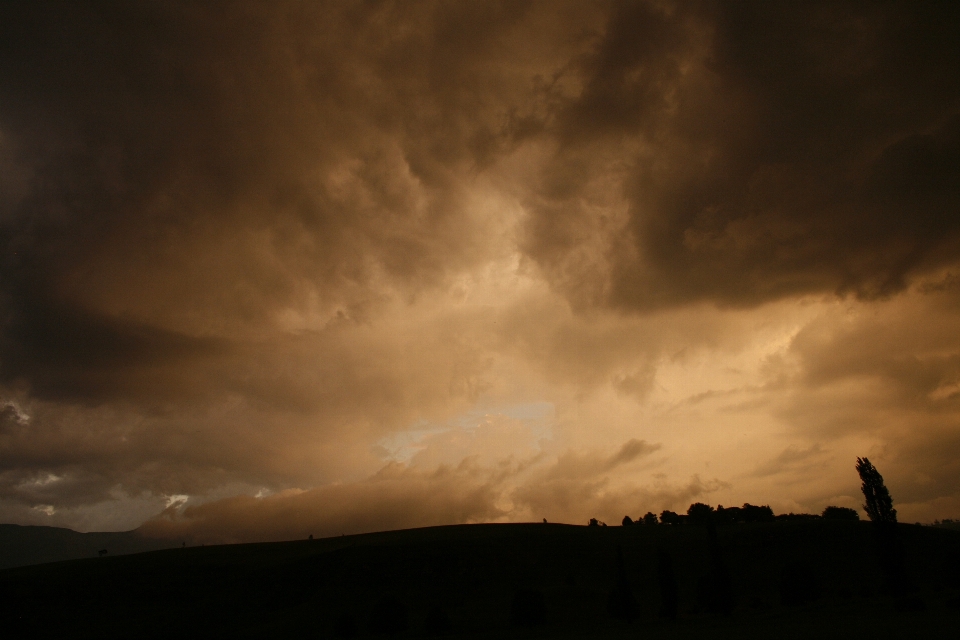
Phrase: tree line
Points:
(878, 506)
(797, 585)
(700, 513)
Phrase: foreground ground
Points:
(490, 581)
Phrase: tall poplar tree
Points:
(879, 504)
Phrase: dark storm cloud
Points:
(180, 170)
(766, 149)
(244, 242)
(68, 353)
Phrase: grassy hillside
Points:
(491, 581)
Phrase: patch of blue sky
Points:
(522, 411)
(402, 446)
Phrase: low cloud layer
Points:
(403, 496)
(328, 254)
(394, 498)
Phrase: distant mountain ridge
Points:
(25, 545)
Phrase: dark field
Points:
(517, 580)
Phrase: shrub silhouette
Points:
(668, 586)
(527, 608)
(650, 518)
(593, 522)
(389, 616)
(797, 516)
(622, 605)
(626, 521)
(839, 513)
(798, 584)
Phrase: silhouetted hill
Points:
(781, 579)
(25, 545)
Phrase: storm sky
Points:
(273, 269)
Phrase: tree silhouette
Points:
(669, 517)
(879, 504)
(729, 515)
(650, 518)
(627, 521)
(700, 513)
(754, 513)
(839, 513)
